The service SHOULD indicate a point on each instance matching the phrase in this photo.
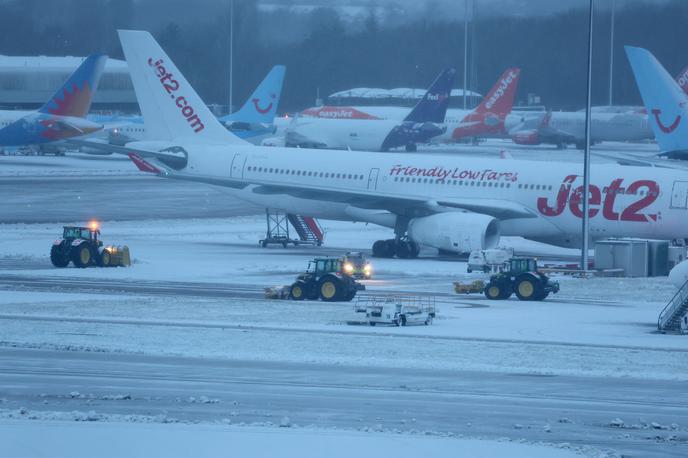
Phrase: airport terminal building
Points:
(27, 82)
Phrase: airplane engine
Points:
(679, 274)
(526, 138)
(457, 232)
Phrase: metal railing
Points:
(674, 304)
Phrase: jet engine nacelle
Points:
(458, 232)
(679, 274)
(526, 138)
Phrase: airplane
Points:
(562, 128)
(63, 116)
(448, 203)
(608, 123)
(489, 119)
(422, 123)
(253, 121)
(665, 100)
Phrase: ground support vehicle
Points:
(397, 310)
(488, 260)
(520, 276)
(356, 265)
(325, 279)
(82, 246)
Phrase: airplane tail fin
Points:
(169, 105)
(500, 99)
(261, 107)
(682, 80)
(666, 103)
(433, 106)
(76, 94)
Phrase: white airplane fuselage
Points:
(625, 201)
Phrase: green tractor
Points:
(83, 248)
(521, 276)
(325, 279)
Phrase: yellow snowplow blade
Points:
(119, 256)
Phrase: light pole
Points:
(231, 55)
(465, 53)
(586, 156)
(611, 54)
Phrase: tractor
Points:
(325, 279)
(83, 248)
(520, 276)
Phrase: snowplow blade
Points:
(119, 256)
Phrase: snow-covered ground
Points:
(133, 439)
(597, 326)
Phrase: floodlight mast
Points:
(586, 156)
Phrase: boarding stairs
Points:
(674, 316)
(307, 228)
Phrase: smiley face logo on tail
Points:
(666, 129)
(260, 110)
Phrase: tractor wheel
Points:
(298, 291)
(330, 288)
(105, 258)
(494, 291)
(349, 297)
(58, 257)
(81, 256)
(528, 288)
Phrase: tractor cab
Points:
(517, 266)
(321, 266)
(90, 234)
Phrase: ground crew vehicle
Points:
(81, 246)
(397, 311)
(488, 260)
(356, 265)
(325, 279)
(520, 276)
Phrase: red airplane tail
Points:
(488, 117)
(501, 97)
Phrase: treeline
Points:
(326, 53)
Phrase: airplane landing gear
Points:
(403, 249)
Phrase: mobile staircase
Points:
(307, 228)
(674, 316)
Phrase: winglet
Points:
(142, 165)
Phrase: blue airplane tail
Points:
(261, 107)
(666, 103)
(433, 106)
(76, 94)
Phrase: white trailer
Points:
(397, 310)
